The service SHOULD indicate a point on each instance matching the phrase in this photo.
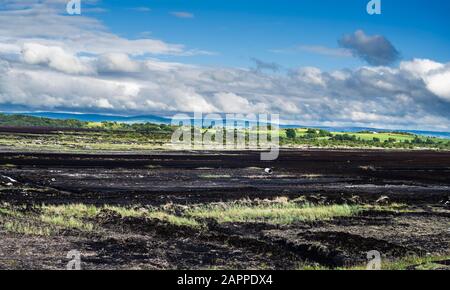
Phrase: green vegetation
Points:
(73, 135)
(14, 221)
(392, 140)
(406, 263)
(291, 133)
(71, 210)
(154, 214)
(173, 219)
(9, 212)
(47, 219)
(29, 121)
(67, 222)
(50, 219)
(24, 228)
(273, 213)
(115, 136)
(415, 262)
(69, 216)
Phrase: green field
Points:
(394, 140)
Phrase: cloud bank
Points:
(55, 70)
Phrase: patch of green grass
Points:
(406, 263)
(155, 214)
(273, 213)
(125, 212)
(10, 212)
(415, 262)
(71, 210)
(311, 267)
(382, 136)
(419, 263)
(67, 222)
(18, 227)
(173, 219)
(69, 216)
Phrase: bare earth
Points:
(418, 180)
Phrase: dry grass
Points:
(71, 210)
(24, 228)
(275, 212)
(155, 214)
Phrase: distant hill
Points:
(100, 118)
(73, 120)
(16, 120)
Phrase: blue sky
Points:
(313, 62)
(238, 30)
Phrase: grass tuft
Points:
(155, 214)
(67, 222)
(125, 212)
(72, 210)
(273, 213)
(18, 227)
(173, 219)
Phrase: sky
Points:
(314, 62)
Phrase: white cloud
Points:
(375, 96)
(117, 62)
(46, 23)
(310, 75)
(54, 57)
(420, 67)
(439, 83)
(435, 75)
(232, 103)
(104, 104)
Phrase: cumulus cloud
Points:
(439, 83)
(232, 103)
(117, 62)
(435, 75)
(375, 50)
(54, 57)
(367, 96)
(309, 75)
(420, 67)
